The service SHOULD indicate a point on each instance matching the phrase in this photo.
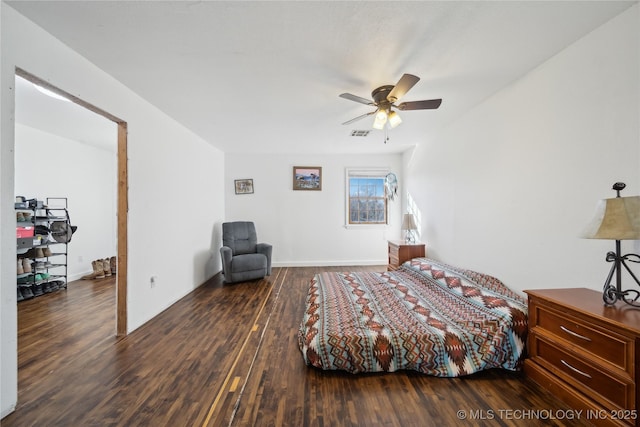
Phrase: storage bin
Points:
(22, 231)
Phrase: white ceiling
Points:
(40, 111)
(265, 76)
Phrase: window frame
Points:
(376, 173)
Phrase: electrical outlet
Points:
(153, 281)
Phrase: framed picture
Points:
(244, 186)
(307, 178)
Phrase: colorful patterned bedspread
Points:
(426, 316)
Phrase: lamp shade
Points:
(394, 119)
(615, 219)
(409, 222)
(380, 120)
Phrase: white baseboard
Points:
(77, 276)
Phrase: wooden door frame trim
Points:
(122, 190)
(123, 209)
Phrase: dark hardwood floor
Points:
(227, 355)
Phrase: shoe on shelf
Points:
(37, 289)
(47, 252)
(19, 217)
(20, 267)
(112, 263)
(27, 293)
(39, 253)
(41, 276)
(20, 296)
(26, 265)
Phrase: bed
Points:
(425, 316)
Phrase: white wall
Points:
(171, 172)
(308, 227)
(518, 177)
(48, 165)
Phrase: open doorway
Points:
(120, 186)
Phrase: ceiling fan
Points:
(385, 98)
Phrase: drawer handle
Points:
(575, 369)
(569, 331)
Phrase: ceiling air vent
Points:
(360, 133)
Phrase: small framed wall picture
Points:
(307, 178)
(244, 186)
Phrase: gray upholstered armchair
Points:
(243, 258)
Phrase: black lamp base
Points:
(611, 294)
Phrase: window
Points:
(367, 201)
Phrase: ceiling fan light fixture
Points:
(384, 99)
(380, 120)
(394, 119)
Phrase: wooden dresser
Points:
(586, 353)
(401, 251)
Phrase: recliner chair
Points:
(243, 258)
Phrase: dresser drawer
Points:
(605, 344)
(584, 375)
(394, 250)
(394, 256)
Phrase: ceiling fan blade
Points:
(356, 98)
(430, 104)
(359, 117)
(406, 82)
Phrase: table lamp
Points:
(617, 219)
(409, 224)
